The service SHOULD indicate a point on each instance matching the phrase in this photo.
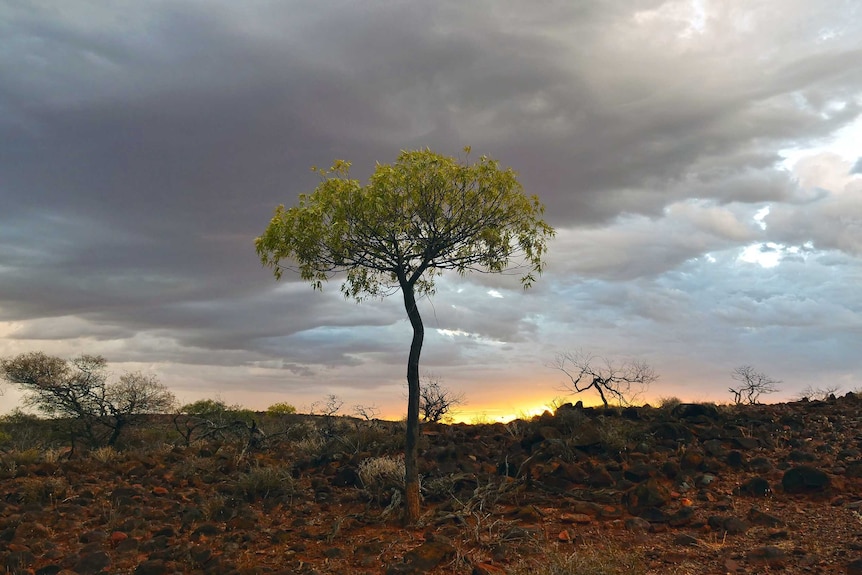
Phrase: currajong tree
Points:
(414, 219)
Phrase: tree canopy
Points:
(413, 220)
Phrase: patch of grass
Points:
(585, 560)
(380, 475)
(265, 482)
(44, 490)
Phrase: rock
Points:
(91, 563)
(686, 540)
(648, 494)
(854, 567)
(637, 525)
(762, 518)
(682, 516)
(771, 555)
(755, 487)
(728, 525)
(805, 479)
(653, 515)
(578, 518)
(735, 459)
(691, 459)
(715, 447)
(528, 513)
(423, 558)
(694, 411)
(151, 567)
(760, 465)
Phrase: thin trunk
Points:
(411, 454)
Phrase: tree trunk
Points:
(411, 452)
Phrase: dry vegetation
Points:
(677, 489)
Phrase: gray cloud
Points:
(146, 144)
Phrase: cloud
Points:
(146, 145)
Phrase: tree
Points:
(280, 408)
(435, 400)
(79, 390)
(753, 385)
(413, 220)
(622, 382)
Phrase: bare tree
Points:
(753, 384)
(622, 382)
(327, 407)
(366, 412)
(818, 393)
(435, 400)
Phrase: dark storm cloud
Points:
(144, 146)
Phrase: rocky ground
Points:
(684, 489)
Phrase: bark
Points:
(411, 455)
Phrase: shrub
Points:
(280, 408)
(669, 403)
(264, 482)
(380, 475)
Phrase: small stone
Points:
(769, 554)
(763, 518)
(637, 525)
(92, 563)
(755, 487)
(423, 558)
(151, 567)
(686, 540)
(579, 518)
(92, 537)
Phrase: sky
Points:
(701, 162)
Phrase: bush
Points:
(380, 475)
(265, 482)
(280, 408)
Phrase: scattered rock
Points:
(650, 493)
(686, 540)
(92, 563)
(755, 487)
(423, 558)
(805, 479)
(770, 555)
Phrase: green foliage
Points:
(204, 407)
(415, 218)
(280, 408)
(216, 410)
